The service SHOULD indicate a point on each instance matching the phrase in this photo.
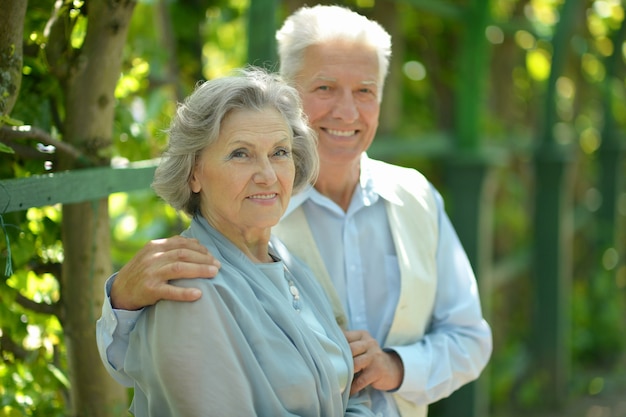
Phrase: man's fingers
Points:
(178, 270)
(186, 255)
(373, 366)
(383, 371)
(360, 381)
(354, 335)
(358, 340)
(175, 242)
(174, 293)
(361, 354)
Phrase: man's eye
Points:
(367, 90)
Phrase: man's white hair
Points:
(315, 25)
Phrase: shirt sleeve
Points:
(458, 342)
(112, 330)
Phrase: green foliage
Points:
(506, 370)
(137, 218)
(32, 372)
(8, 121)
(6, 149)
(599, 330)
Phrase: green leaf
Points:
(6, 149)
(59, 375)
(7, 120)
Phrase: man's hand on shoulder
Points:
(144, 280)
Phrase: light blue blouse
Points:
(242, 349)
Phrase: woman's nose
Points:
(265, 173)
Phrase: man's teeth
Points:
(341, 132)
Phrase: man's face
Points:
(339, 87)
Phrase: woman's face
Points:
(246, 177)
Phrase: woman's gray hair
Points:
(199, 118)
(315, 25)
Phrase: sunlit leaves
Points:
(602, 19)
(538, 64)
(414, 70)
(610, 12)
(125, 223)
(617, 89)
(226, 51)
(132, 225)
(565, 98)
(525, 39)
(590, 140)
(593, 68)
(33, 387)
(494, 34)
(537, 58)
(132, 81)
(604, 46)
(543, 12)
(31, 375)
(6, 149)
(42, 288)
(79, 30)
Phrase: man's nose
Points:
(346, 108)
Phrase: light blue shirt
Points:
(348, 242)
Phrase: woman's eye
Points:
(282, 152)
(238, 154)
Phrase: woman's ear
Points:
(194, 182)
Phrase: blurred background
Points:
(514, 109)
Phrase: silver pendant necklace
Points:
(296, 303)
(293, 290)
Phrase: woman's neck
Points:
(253, 242)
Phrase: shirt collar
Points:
(377, 181)
(374, 185)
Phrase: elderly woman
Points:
(262, 339)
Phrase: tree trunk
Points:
(89, 103)
(11, 30)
